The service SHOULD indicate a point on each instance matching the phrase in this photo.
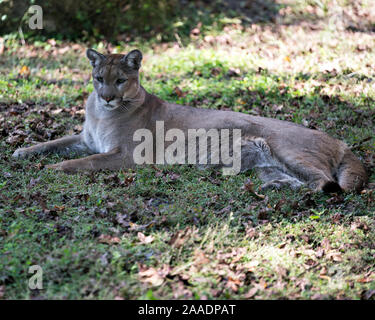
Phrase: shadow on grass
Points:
(115, 21)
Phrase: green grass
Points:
(210, 238)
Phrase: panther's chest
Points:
(100, 137)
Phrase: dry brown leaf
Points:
(233, 284)
(282, 245)
(2, 291)
(2, 45)
(24, 71)
(305, 238)
(337, 217)
(262, 284)
(81, 112)
(279, 204)
(310, 263)
(251, 232)
(319, 252)
(249, 186)
(179, 291)
(145, 239)
(334, 256)
(359, 225)
(250, 266)
(323, 271)
(252, 292)
(365, 280)
(238, 254)
(152, 276)
(200, 258)
(325, 244)
(105, 238)
(283, 272)
(180, 237)
(179, 92)
(57, 111)
(233, 72)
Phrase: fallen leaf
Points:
(179, 92)
(33, 182)
(105, 238)
(180, 237)
(251, 293)
(233, 284)
(305, 238)
(153, 276)
(310, 263)
(282, 245)
(233, 72)
(365, 280)
(325, 244)
(2, 46)
(179, 291)
(81, 112)
(368, 294)
(337, 217)
(319, 252)
(334, 256)
(197, 30)
(249, 186)
(251, 232)
(279, 204)
(282, 271)
(139, 227)
(173, 176)
(318, 296)
(323, 271)
(262, 284)
(57, 111)
(24, 71)
(145, 239)
(359, 225)
(200, 257)
(250, 266)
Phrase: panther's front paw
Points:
(58, 167)
(20, 153)
(274, 184)
(55, 166)
(62, 166)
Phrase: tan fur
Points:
(283, 153)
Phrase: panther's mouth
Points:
(110, 107)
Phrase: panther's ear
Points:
(133, 59)
(94, 57)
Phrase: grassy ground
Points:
(178, 232)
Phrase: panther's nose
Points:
(108, 98)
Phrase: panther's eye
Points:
(100, 79)
(119, 81)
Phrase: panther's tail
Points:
(351, 175)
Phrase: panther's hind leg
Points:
(257, 154)
(274, 178)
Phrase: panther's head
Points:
(115, 77)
